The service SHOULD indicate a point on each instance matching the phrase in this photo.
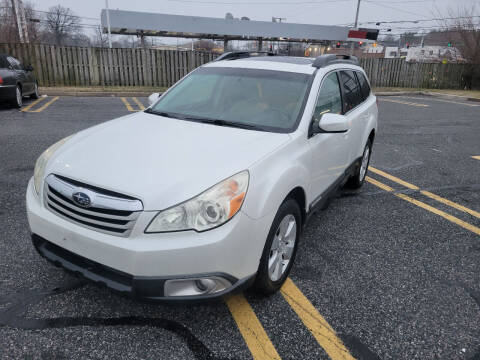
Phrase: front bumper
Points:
(141, 263)
(140, 287)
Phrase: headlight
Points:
(39, 172)
(210, 209)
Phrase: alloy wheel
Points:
(282, 247)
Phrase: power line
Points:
(258, 2)
(414, 21)
(390, 7)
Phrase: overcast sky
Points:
(321, 12)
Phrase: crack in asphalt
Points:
(11, 316)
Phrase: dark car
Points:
(16, 81)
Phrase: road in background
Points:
(389, 272)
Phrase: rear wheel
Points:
(358, 178)
(35, 94)
(17, 100)
(280, 248)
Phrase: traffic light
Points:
(338, 44)
(449, 44)
(408, 46)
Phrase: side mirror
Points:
(153, 98)
(334, 123)
(29, 68)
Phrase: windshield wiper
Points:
(163, 113)
(220, 122)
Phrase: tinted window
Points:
(268, 100)
(363, 85)
(351, 90)
(329, 98)
(15, 63)
(4, 64)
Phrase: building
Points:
(434, 54)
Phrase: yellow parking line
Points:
(476, 157)
(315, 323)
(393, 178)
(451, 203)
(427, 207)
(404, 102)
(252, 331)
(28, 107)
(140, 105)
(426, 193)
(378, 184)
(127, 104)
(45, 105)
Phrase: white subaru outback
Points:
(207, 190)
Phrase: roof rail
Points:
(234, 55)
(329, 59)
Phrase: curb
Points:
(426, 93)
(397, 93)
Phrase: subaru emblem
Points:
(81, 199)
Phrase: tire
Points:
(17, 100)
(35, 94)
(268, 282)
(356, 180)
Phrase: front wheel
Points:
(280, 249)
(358, 178)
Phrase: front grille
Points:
(107, 212)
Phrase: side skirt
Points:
(322, 200)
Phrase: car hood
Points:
(161, 161)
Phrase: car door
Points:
(353, 109)
(330, 151)
(21, 75)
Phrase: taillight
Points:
(1, 80)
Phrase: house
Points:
(434, 54)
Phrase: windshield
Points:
(257, 99)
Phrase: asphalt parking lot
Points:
(389, 272)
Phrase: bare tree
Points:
(8, 28)
(62, 23)
(100, 39)
(463, 32)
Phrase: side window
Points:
(351, 90)
(329, 98)
(15, 63)
(363, 85)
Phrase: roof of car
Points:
(303, 65)
(280, 63)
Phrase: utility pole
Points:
(19, 15)
(355, 26)
(108, 25)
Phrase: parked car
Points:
(207, 190)
(16, 81)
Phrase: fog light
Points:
(195, 286)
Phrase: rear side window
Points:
(15, 63)
(351, 90)
(329, 98)
(363, 85)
